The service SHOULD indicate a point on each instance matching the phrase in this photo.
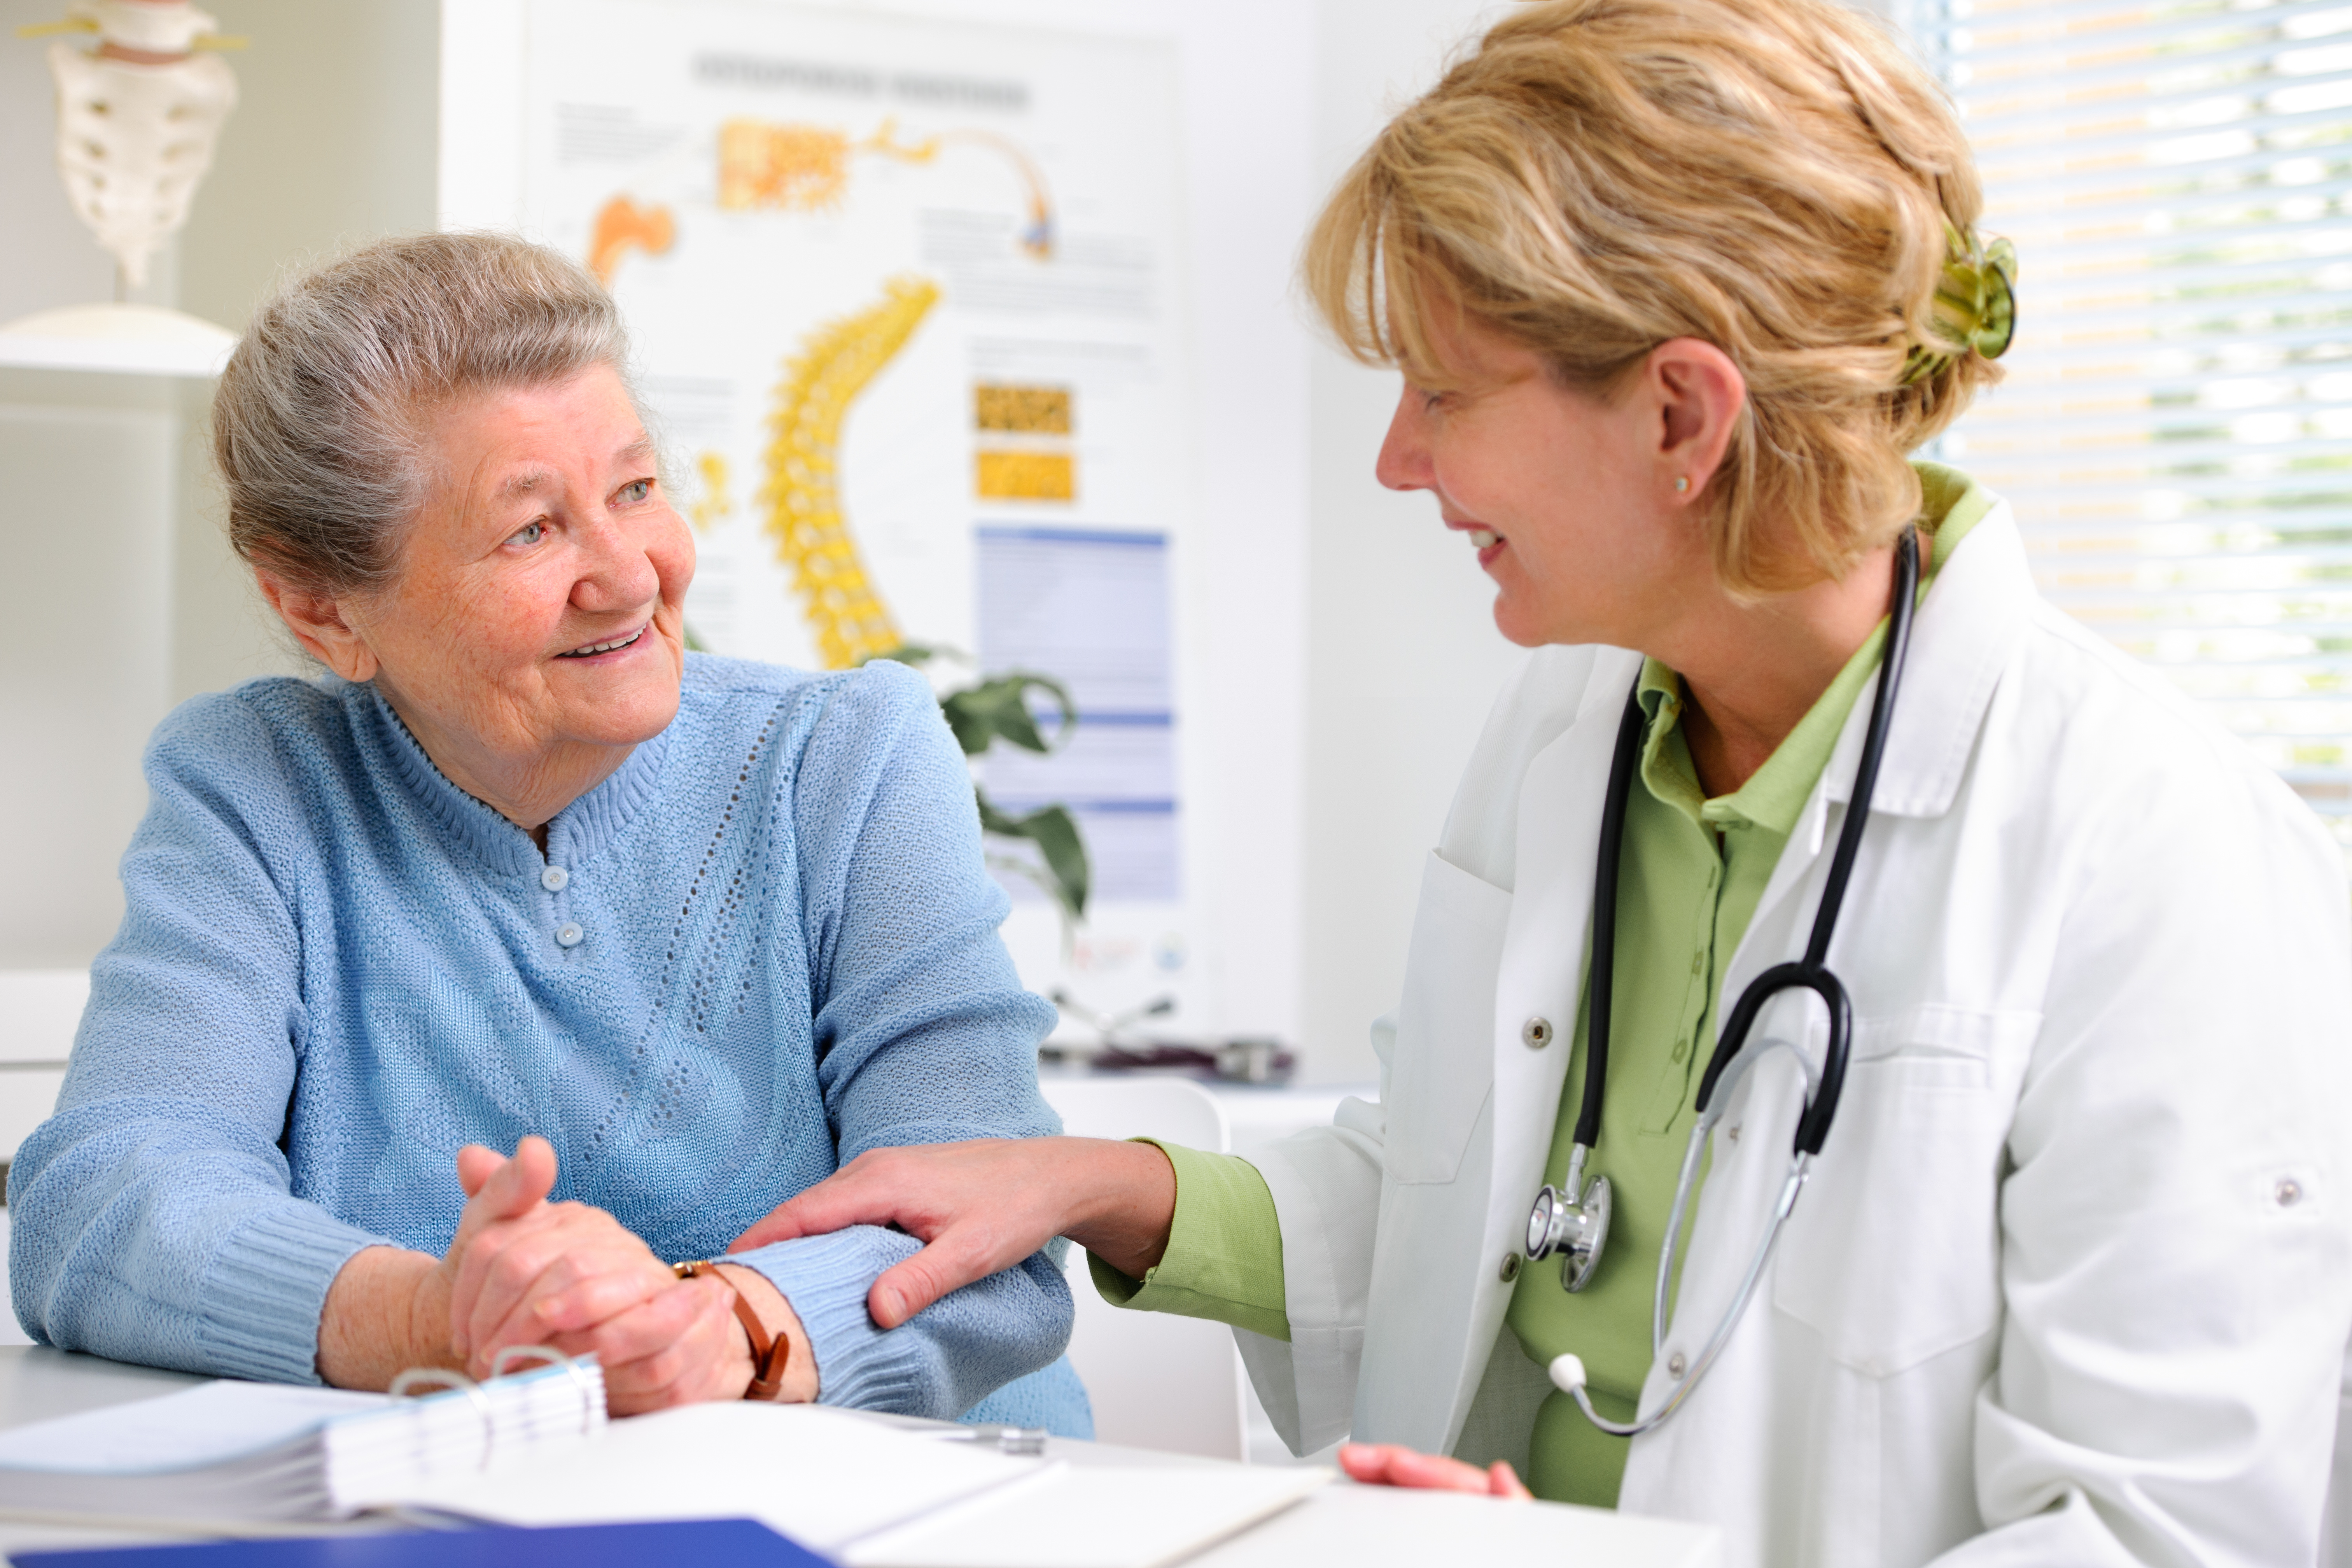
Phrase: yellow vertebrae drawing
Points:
(716, 501)
(802, 492)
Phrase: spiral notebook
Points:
(243, 1451)
(535, 1451)
(872, 1494)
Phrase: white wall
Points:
(87, 539)
(332, 144)
(1404, 658)
(127, 598)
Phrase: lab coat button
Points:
(1675, 1365)
(553, 879)
(2289, 1194)
(568, 934)
(1510, 1266)
(1536, 1033)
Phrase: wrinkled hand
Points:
(523, 1271)
(983, 1207)
(1393, 1465)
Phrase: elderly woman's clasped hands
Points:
(523, 1270)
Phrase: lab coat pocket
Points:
(1444, 1060)
(1893, 1253)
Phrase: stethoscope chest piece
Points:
(1578, 1229)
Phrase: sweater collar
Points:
(577, 833)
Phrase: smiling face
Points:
(535, 629)
(1565, 494)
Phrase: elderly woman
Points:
(2043, 1258)
(682, 932)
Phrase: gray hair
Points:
(318, 422)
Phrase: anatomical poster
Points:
(906, 303)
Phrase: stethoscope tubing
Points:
(1729, 1063)
(1798, 1169)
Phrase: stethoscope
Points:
(1572, 1219)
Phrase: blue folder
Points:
(735, 1543)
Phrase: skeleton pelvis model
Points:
(137, 120)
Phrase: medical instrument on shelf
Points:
(1575, 1222)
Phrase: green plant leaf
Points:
(1055, 834)
(997, 709)
(912, 653)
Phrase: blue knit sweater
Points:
(765, 944)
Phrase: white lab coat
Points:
(2072, 1279)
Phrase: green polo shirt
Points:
(1692, 873)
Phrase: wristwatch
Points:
(769, 1352)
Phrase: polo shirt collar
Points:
(1774, 797)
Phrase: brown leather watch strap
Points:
(769, 1352)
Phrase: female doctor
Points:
(2046, 1077)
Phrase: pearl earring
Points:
(1682, 483)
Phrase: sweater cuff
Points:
(266, 1289)
(826, 1278)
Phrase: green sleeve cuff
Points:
(1223, 1260)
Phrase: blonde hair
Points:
(1772, 176)
(317, 424)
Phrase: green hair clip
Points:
(1975, 305)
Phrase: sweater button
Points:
(568, 934)
(553, 879)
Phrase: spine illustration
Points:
(802, 492)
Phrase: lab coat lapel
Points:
(1544, 953)
(1965, 633)
(1541, 976)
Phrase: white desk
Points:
(1361, 1527)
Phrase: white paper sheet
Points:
(207, 1424)
(823, 1477)
(1096, 1516)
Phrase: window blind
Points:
(2175, 432)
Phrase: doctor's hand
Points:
(1393, 1465)
(983, 1207)
(524, 1271)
